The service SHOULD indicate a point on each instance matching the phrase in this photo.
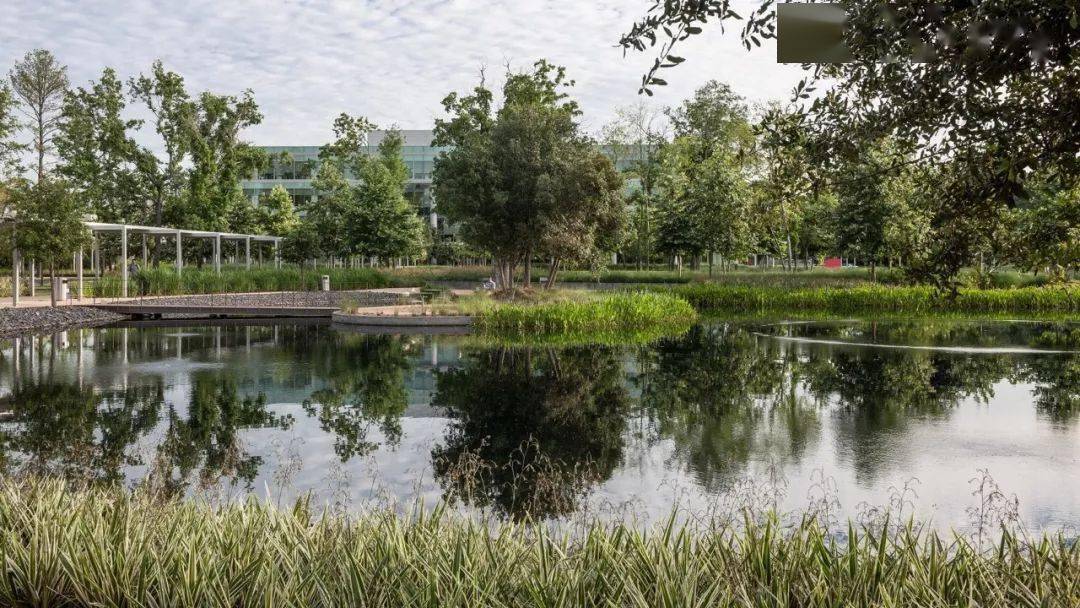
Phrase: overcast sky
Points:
(390, 60)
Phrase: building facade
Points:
(294, 167)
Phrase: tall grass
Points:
(876, 298)
(165, 281)
(110, 548)
(612, 312)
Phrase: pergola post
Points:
(123, 261)
(16, 262)
(217, 253)
(33, 283)
(179, 253)
(247, 252)
(277, 254)
(79, 272)
(144, 258)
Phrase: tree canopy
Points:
(522, 180)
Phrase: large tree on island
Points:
(997, 96)
(519, 174)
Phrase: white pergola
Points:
(179, 234)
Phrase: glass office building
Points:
(294, 167)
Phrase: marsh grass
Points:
(164, 281)
(618, 312)
(109, 547)
(876, 298)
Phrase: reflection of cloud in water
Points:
(986, 350)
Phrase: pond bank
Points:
(39, 319)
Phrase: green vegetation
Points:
(586, 312)
(874, 298)
(163, 281)
(106, 547)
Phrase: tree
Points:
(1047, 231)
(703, 176)
(164, 96)
(98, 157)
(509, 180)
(39, 81)
(384, 223)
(277, 215)
(863, 209)
(998, 107)
(302, 243)
(218, 159)
(50, 223)
(9, 147)
(637, 135)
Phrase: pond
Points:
(934, 418)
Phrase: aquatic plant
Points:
(108, 547)
(627, 312)
(876, 298)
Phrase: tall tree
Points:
(39, 81)
(97, 154)
(386, 224)
(704, 173)
(503, 179)
(219, 158)
(163, 94)
(639, 132)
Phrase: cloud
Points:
(390, 60)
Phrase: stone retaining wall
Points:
(45, 319)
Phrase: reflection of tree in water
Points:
(880, 391)
(366, 377)
(534, 429)
(207, 439)
(1057, 385)
(724, 397)
(66, 430)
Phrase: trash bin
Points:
(325, 283)
(60, 287)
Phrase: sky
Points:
(392, 61)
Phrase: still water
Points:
(843, 416)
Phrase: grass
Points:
(105, 547)
(164, 281)
(877, 298)
(576, 313)
(742, 276)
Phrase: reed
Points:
(607, 312)
(876, 298)
(108, 547)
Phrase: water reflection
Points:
(532, 428)
(540, 432)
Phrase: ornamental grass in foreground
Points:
(110, 548)
(602, 312)
(1064, 299)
